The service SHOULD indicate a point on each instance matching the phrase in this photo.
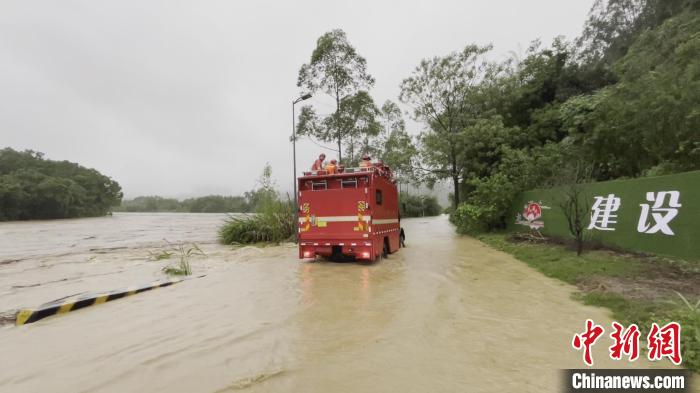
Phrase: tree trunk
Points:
(455, 182)
(340, 151)
(455, 179)
(337, 113)
(579, 247)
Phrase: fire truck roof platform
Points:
(384, 171)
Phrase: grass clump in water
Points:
(272, 222)
(183, 267)
(159, 256)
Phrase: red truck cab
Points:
(351, 214)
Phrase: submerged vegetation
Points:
(272, 224)
(32, 187)
(273, 220)
(183, 252)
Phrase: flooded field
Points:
(445, 314)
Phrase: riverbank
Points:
(637, 289)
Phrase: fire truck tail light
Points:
(308, 254)
(365, 255)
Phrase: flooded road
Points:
(445, 314)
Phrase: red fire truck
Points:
(349, 214)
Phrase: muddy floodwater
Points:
(445, 314)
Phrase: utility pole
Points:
(294, 156)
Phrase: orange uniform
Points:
(331, 168)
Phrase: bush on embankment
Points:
(273, 220)
(275, 224)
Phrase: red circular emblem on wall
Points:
(533, 211)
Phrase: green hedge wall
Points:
(659, 232)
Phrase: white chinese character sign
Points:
(660, 215)
(602, 216)
(663, 210)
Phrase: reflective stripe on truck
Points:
(338, 219)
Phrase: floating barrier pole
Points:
(76, 302)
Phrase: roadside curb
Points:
(76, 302)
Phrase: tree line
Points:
(264, 194)
(32, 187)
(205, 204)
(618, 101)
(253, 201)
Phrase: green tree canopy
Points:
(338, 70)
(445, 93)
(32, 187)
(395, 147)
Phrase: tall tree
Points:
(610, 28)
(338, 70)
(358, 123)
(443, 92)
(395, 147)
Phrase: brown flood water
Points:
(445, 314)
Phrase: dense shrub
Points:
(273, 224)
(470, 218)
(486, 207)
(274, 220)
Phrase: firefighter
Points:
(332, 167)
(318, 164)
(366, 161)
(380, 166)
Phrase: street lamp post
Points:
(294, 153)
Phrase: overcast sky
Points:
(186, 98)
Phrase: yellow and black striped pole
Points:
(76, 302)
